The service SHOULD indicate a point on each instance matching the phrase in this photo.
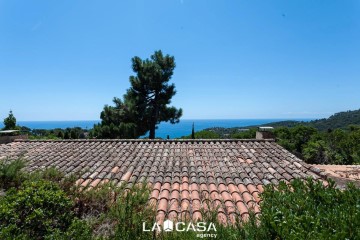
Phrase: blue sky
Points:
(63, 60)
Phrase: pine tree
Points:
(150, 92)
(145, 103)
(10, 122)
(193, 132)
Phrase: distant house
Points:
(182, 173)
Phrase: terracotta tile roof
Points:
(341, 174)
(184, 174)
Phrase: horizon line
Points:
(187, 119)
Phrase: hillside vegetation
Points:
(338, 120)
(334, 140)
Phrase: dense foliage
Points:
(10, 122)
(145, 103)
(10, 174)
(117, 122)
(339, 146)
(309, 210)
(35, 210)
(322, 147)
(57, 133)
(202, 135)
(249, 134)
(338, 120)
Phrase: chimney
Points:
(265, 133)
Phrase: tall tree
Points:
(10, 122)
(145, 103)
(150, 92)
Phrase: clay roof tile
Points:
(184, 175)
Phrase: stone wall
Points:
(264, 135)
(8, 139)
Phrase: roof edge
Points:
(146, 140)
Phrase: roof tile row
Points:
(186, 176)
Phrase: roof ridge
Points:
(146, 140)
(337, 165)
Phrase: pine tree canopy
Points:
(145, 103)
(10, 122)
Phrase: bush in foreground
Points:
(310, 210)
(34, 211)
(10, 173)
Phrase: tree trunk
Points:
(154, 118)
(153, 126)
(152, 131)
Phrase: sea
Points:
(183, 128)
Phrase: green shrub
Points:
(130, 211)
(78, 230)
(338, 146)
(10, 173)
(66, 183)
(250, 134)
(309, 210)
(93, 202)
(35, 210)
